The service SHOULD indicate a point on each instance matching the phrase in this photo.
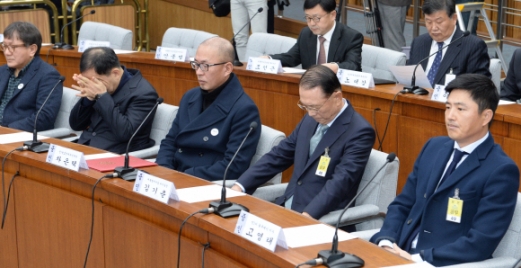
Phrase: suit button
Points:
(180, 150)
(409, 221)
(205, 138)
(93, 133)
(201, 154)
(425, 195)
(299, 182)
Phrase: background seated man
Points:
(467, 55)
(212, 120)
(331, 128)
(459, 199)
(26, 81)
(324, 41)
(115, 100)
(511, 88)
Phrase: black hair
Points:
(320, 76)
(102, 59)
(26, 32)
(432, 6)
(326, 5)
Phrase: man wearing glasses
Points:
(26, 81)
(329, 149)
(324, 41)
(212, 120)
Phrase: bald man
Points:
(212, 120)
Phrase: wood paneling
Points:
(38, 17)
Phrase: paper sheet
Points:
(98, 156)
(403, 75)
(412, 265)
(505, 102)
(205, 193)
(19, 137)
(289, 70)
(314, 235)
(121, 51)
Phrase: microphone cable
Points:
(388, 119)
(376, 127)
(204, 211)
(205, 247)
(112, 175)
(6, 201)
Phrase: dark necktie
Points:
(435, 64)
(322, 51)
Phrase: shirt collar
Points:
(329, 34)
(471, 147)
(339, 113)
(447, 41)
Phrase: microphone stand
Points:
(64, 45)
(225, 208)
(236, 61)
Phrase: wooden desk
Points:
(48, 223)
(413, 121)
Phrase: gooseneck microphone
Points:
(64, 45)
(419, 90)
(237, 62)
(126, 172)
(224, 208)
(35, 145)
(339, 259)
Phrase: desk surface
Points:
(48, 222)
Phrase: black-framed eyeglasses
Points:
(314, 109)
(11, 48)
(204, 66)
(315, 19)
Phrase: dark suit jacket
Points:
(345, 49)
(511, 89)
(38, 81)
(203, 143)
(110, 122)
(468, 55)
(487, 181)
(349, 139)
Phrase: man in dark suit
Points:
(213, 119)
(459, 199)
(511, 88)
(26, 81)
(324, 41)
(331, 131)
(467, 55)
(115, 101)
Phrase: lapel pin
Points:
(214, 132)
(20, 86)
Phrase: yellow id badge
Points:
(455, 208)
(323, 164)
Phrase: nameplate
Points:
(154, 187)
(171, 53)
(439, 93)
(260, 231)
(263, 65)
(85, 44)
(356, 79)
(66, 158)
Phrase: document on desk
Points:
(205, 193)
(403, 75)
(506, 102)
(19, 137)
(315, 234)
(289, 70)
(98, 156)
(122, 51)
(413, 265)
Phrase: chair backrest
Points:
(510, 245)
(185, 38)
(163, 120)
(495, 70)
(69, 99)
(39, 17)
(382, 190)
(263, 44)
(376, 60)
(269, 138)
(118, 37)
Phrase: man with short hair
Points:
(26, 81)
(324, 41)
(467, 55)
(115, 101)
(213, 119)
(330, 131)
(459, 199)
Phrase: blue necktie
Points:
(316, 138)
(435, 64)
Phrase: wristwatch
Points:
(98, 96)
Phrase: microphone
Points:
(419, 90)
(336, 258)
(64, 45)
(35, 145)
(224, 208)
(236, 61)
(126, 172)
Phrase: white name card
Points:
(263, 65)
(171, 53)
(260, 231)
(439, 93)
(356, 79)
(85, 44)
(154, 187)
(66, 158)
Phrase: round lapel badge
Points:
(20, 86)
(214, 132)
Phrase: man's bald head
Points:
(222, 47)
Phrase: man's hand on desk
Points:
(88, 88)
(236, 187)
(333, 66)
(398, 251)
(307, 215)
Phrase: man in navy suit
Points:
(459, 199)
(467, 55)
(213, 119)
(332, 131)
(511, 88)
(26, 81)
(341, 47)
(115, 101)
